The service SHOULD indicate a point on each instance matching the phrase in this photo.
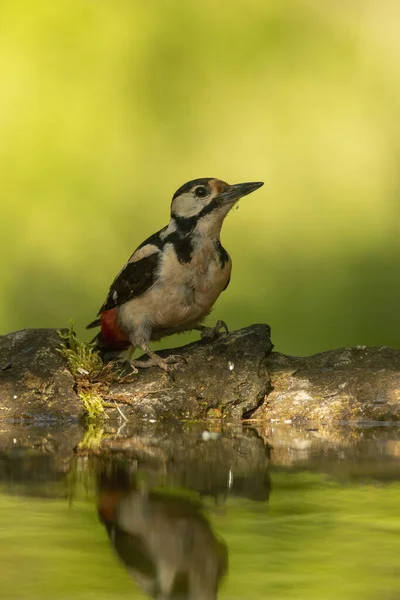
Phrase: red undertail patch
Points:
(112, 334)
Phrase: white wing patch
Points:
(143, 252)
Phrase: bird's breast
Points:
(204, 275)
(189, 290)
(183, 294)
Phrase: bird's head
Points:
(207, 201)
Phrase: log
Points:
(236, 376)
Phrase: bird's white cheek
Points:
(187, 205)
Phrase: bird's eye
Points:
(201, 191)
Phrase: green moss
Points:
(81, 357)
(91, 374)
(93, 404)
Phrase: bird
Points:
(172, 280)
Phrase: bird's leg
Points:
(166, 364)
(119, 359)
(212, 333)
(165, 577)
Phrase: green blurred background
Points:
(108, 106)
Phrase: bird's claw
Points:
(210, 334)
(170, 362)
(173, 359)
(166, 364)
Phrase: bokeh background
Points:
(108, 106)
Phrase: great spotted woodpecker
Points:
(172, 280)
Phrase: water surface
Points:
(193, 512)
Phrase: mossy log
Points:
(234, 377)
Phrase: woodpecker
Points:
(172, 280)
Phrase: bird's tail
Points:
(98, 338)
(95, 323)
(98, 341)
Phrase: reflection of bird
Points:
(173, 278)
(164, 541)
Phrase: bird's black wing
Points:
(223, 258)
(137, 276)
(134, 279)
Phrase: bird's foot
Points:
(173, 359)
(209, 334)
(166, 364)
(123, 367)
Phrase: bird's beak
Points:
(234, 192)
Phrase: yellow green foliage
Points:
(82, 358)
(91, 374)
(93, 404)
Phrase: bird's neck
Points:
(206, 227)
(209, 227)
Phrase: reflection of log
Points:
(236, 376)
(164, 540)
(353, 453)
(50, 462)
(36, 460)
(234, 464)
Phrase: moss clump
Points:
(92, 376)
(82, 358)
(93, 404)
(86, 364)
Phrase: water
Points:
(275, 512)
